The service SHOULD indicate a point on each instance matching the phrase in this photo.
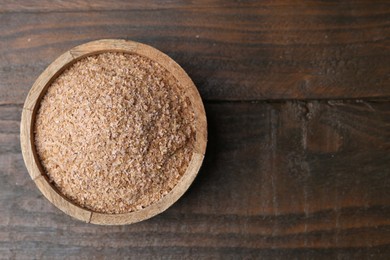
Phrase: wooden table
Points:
(298, 104)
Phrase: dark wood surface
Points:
(298, 104)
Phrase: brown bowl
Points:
(31, 106)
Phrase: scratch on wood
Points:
(305, 117)
(366, 104)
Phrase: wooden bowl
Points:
(31, 106)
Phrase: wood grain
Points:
(280, 179)
(255, 50)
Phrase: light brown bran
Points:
(114, 133)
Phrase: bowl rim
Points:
(39, 89)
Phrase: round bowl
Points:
(31, 106)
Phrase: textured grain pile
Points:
(114, 133)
